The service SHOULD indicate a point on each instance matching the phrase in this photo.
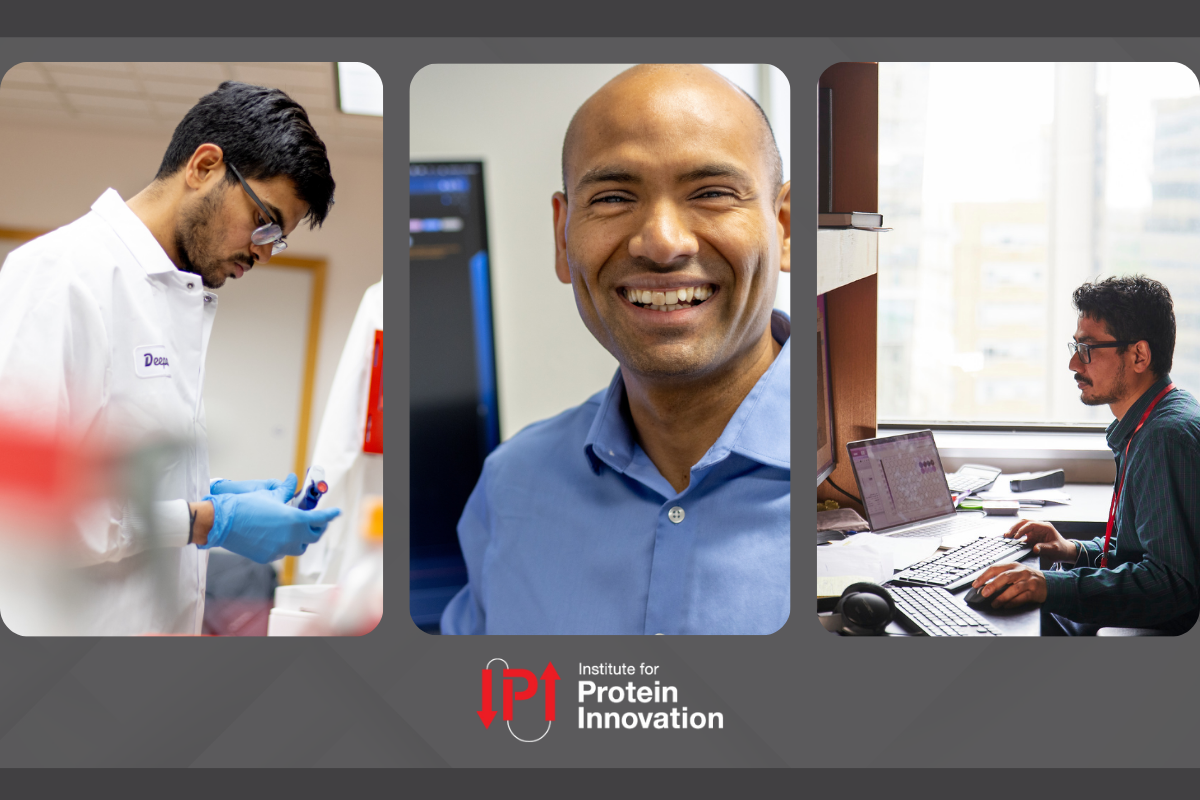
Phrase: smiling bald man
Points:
(662, 504)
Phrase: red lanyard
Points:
(1112, 510)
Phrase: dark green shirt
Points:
(1153, 577)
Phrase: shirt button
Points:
(191, 286)
(675, 514)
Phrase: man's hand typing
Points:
(1046, 540)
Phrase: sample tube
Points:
(314, 487)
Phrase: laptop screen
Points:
(901, 479)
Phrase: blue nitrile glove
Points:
(261, 525)
(241, 487)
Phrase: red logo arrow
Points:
(485, 711)
(549, 676)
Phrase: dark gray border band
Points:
(400, 698)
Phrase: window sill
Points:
(1083, 456)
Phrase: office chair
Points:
(1131, 632)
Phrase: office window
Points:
(1007, 186)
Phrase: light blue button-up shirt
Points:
(572, 530)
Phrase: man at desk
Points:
(662, 504)
(1146, 574)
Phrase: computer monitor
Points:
(826, 459)
(454, 414)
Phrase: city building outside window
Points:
(1007, 186)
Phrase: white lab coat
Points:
(350, 473)
(81, 310)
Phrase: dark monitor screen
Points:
(826, 460)
(454, 416)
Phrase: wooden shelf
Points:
(844, 256)
(847, 265)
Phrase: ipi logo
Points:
(511, 694)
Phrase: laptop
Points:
(904, 491)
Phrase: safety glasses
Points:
(270, 233)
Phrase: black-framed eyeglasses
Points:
(272, 232)
(1085, 350)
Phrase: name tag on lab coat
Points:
(151, 361)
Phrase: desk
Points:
(1023, 621)
(1084, 518)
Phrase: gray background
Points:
(400, 698)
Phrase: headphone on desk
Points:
(865, 609)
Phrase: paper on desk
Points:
(1000, 491)
(1052, 496)
(833, 587)
(904, 551)
(859, 563)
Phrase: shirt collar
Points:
(1119, 430)
(133, 233)
(760, 428)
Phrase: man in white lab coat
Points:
(104, 325)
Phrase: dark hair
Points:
(262, 132)
(1133, 309)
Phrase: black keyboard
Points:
(956, 568)
(936, 614)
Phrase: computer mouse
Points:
(974, 598)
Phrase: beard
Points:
(1114, 395)
(194, 237)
